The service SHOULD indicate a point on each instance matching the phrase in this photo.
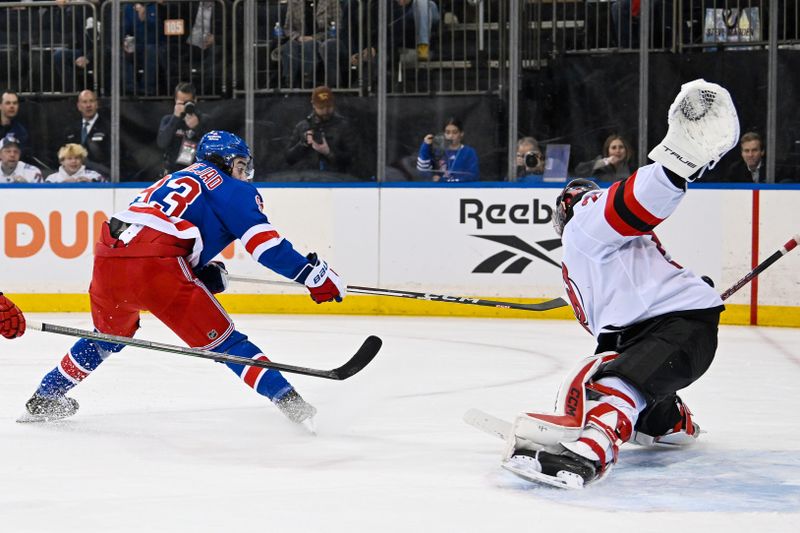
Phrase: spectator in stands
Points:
(203, 50)
(15, 38)
(72, 158)
(12, 170)
(180, 131)
(751, 168)
(411, 25)
(10, 125)
(144, 47)
(616, 162)
(74, 56)
(530, 160)
(445, 158)
(93, 132)
(625, 19)
(324, 139)
(324, 42)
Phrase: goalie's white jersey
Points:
(615, 271)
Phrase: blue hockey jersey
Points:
(203, 203)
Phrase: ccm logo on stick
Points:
(533, 213)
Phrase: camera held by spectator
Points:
(317, 135)
(533, 159)
(189, 108)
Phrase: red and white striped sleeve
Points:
(260, 238)
(636, 205)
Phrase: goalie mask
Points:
(570, 195)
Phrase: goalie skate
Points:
(42, 409)
(564, 470)
(684, 433)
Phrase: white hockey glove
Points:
(703, 126)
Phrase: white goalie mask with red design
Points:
(570, 195)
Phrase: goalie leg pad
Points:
(536, 431)
(610, 420)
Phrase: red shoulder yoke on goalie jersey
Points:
(203, 203)
(625, 213)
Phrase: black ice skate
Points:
(297, 409)
(683, 432)
(565, 469)
(44, 409)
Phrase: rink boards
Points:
(486, 241)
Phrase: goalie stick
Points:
(375, 291)
(788, 247)
(497, 427)
(366, 353)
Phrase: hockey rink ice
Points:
(169, 443)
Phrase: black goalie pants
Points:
(659, 357)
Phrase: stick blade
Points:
(545, 306)
(365, 354)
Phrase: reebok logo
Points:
(517, 255)
(533, 213)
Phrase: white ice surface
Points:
(169, 443)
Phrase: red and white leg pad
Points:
(609, 421)
(541, 431)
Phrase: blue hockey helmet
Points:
(220, 148)
(570, 195)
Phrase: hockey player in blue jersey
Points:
(156, 255)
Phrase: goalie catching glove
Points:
(703, 127)
(12, 321)
(323, 283)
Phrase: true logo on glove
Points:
(677, 156)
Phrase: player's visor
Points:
(246, 166)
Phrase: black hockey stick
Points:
(366, 353)
(789, 246)
(543, 306)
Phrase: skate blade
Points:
(309, 425)
(563, 480)
(27, 418)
